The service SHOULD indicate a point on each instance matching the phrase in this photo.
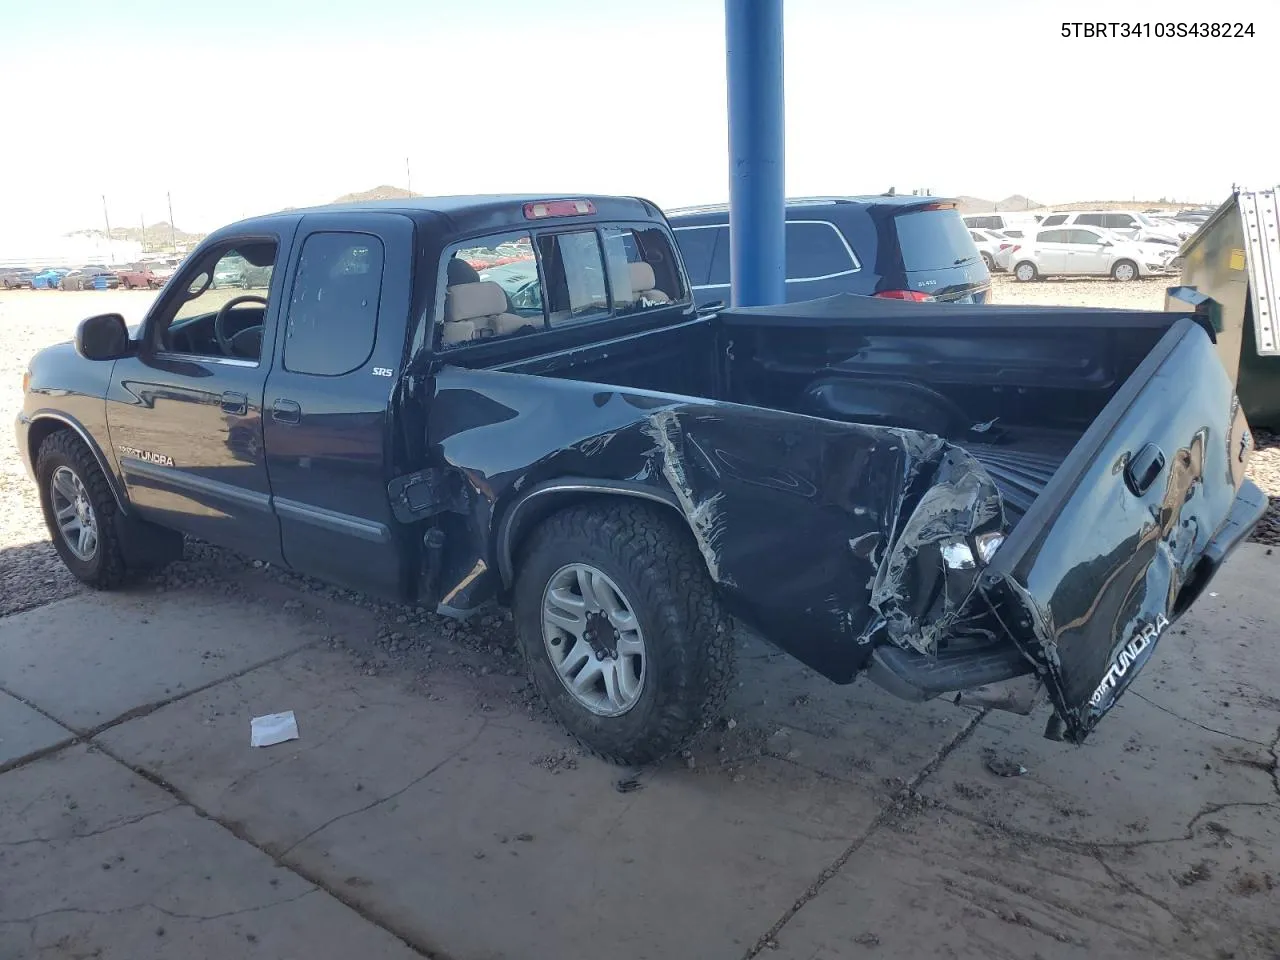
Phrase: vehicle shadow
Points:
(783, 726)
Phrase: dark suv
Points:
(901, 248)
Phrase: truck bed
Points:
(1015, 387)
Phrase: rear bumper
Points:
(913, 676)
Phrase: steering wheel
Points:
(228, 344)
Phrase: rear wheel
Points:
(80, 511)
(621, 628)
(1124, 270)
(1026, 271)
(990, 264)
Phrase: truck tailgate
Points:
(1130, 528)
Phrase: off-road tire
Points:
(1035, 274)
(1115, 270)
(652, 558)
(106, 569)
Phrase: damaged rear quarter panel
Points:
(822, 536)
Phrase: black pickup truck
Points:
(461, 400)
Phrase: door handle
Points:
(1143, 468)
(236, 403)
(286, 411)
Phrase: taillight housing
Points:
(1016, 248)
(915, 296)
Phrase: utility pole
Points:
(173, 236)
(142, 237)
(110, 252)
(408, 177)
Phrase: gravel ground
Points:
(31, 574)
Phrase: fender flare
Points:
(541, 499)
(33, 450)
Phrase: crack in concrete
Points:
(1089, 846)
(84, 735)
(312, 877)
(1195, 723)
(1125, 883)
(1275, 764)
(391, 796)
(117, 825)
(148, 905)
(886, 813)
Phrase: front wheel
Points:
(1124, 270)
(80, 511)
(1025, 272)
(622, 631)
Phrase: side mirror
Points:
(104, 337)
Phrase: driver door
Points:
(185, 412)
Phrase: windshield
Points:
(934, 239)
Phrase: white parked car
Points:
(1084, 252)
(994, 247)
(1128, 223)
(1001, 221)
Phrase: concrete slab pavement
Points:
(476, 833)
(91, 659)
(823, 821)
(25, 732)
(97, 862)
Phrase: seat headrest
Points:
(470, 301)
(459, 271)
(642, 277)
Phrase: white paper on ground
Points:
(273, 728)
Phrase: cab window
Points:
(219, 314)
(643, 272)
(332, 321)
(492, 288)
(573, 268)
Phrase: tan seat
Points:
(475, 311)
(644, 285)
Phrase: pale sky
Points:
(243, 107)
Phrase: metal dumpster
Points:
(1234, 258)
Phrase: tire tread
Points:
(111, 570)
(661, 559)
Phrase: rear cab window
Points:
(933, 239)
(527, 282)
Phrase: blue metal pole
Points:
(757, 203)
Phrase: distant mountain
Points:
(978, 205)
(157, 236)
(384, 192)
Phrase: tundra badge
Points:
(1127, 657)
(147, 455)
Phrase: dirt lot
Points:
(430, 809)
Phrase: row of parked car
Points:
(1122, 244)
(148, 275)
